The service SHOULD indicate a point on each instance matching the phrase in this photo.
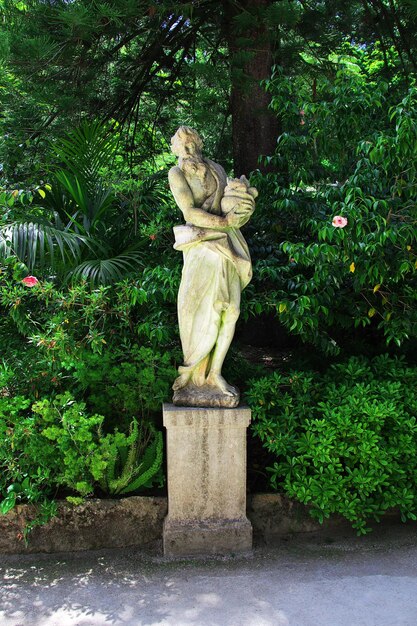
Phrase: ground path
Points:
(312, 580)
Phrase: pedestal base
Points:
(206, 481)
(194, 538)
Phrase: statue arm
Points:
(184, 199)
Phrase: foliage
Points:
(135, 461)
(141, 61)
(82, 231)
(322, 127)
(345, 441)
(56, 443)
(92, 221)
(325, 281)
(110, 345)
(83, 377)
(152, 65)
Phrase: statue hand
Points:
(241, 213)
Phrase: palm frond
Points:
(92, 201)
(5, 245)
(74, 188)
(152, 191)
(87, 149)
(107, 271)
(84, 152)
(58, 201)
(35, 241)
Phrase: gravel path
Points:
(312, 580)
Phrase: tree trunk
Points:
(254, 127)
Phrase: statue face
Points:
(184, 149)
(186, 144)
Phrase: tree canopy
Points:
(149, 65)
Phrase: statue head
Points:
(186, 142)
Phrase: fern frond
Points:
(155, 452)
(138, 457)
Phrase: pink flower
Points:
(153, 237)
(30, 281)
(339, 221)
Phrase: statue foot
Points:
(180, 382)
(199, 377)
(215, 393)
(215, 380)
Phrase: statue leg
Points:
(224, 339)
(198, 318)
(196, 375)
(199, 374)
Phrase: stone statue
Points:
(217, 267)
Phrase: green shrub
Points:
(112, 347)
(346, 440)
(83, 375)
(56, 444)
(330, 281)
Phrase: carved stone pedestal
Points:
(206, 481)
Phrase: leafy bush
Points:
(112, 346)
(324, 124)
(56, 444)
(346, 440)
(85, 371)
(329, 283)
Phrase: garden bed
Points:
(137, 521)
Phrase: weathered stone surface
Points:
(274, 515)
(204, 396)
(206, 481)
(138, 521)
(134, 521)
(208, 537)
(217, 266)
(206, 451)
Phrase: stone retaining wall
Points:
(95, 524)
(137, 521)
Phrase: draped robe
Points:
(217, 266)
